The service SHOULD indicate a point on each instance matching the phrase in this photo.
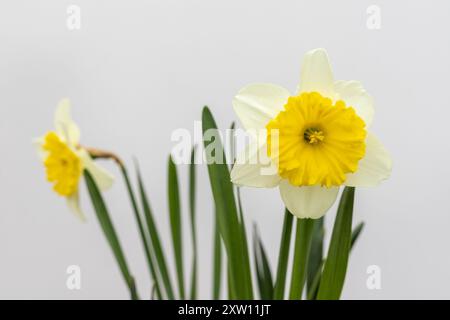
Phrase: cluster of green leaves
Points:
(325, 276)
(149, 233)
(322, 275)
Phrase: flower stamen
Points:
(313, 135)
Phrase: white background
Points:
(137, 70)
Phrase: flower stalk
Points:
(302, 249)
(148, 249)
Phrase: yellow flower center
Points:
(313, 135)
(316, 142)
(62, 165)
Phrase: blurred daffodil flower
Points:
(315, 140)
(64, 159)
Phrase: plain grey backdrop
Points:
(137, 70)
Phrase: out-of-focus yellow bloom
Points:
(64, 159)
(315, 140)
(64, 167)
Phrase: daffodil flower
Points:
(316, 140)
(64, 159)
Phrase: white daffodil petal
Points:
(375, 167)
(307, 202)
(253, 168)
(37, 143)
(65, 127)
(354, 95)
(257, 104)
(102, 178)
(73, 202)
(316, 73)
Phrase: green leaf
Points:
(239, 202)
(312, 293)
(241, 213)
(283, 256)
(217, 263)
(335, 267)
(175, 223)
(302, 249)
(192, 179)
(231, 290)
(316, 255)
(355, 233)
(263, 273)
(154, 237)
(142, 232)
(242, 223)
(152, 293)
(227, 214)
(314, 287)
(109, 231)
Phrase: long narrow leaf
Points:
(356, 233)
(227, 214)
(243, 227)
(217, 263)
(263, 273)
(314, 286)
(335, 267)
(192, 180)
(175, 223)
(155, 239)
(239, 205)
(231, 290)
(144, 236)
(312, 293)
(109, 231)
(302, 249)
(283, 256)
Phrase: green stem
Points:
(283, 256)
(301, 255)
